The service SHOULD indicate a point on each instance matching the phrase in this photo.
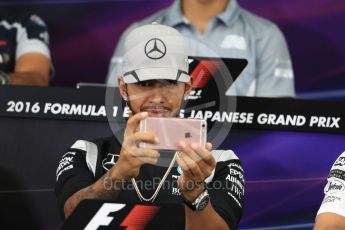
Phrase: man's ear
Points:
(123, 88)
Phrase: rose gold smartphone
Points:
(171, 131)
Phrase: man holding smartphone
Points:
(209, 182)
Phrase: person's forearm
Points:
(31, 69)
(29, 79)
(205, 219)
(328, 226)
(328, 221)
(332, 228)
(106, 188)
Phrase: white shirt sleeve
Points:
(32, 36)
(334, 200)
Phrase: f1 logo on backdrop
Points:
(202, 73)
(136, 219)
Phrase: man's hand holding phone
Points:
(197, 164)
(144, 136)
(132, 157)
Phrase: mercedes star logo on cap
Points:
(155, 48)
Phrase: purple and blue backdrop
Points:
(84, 33)
(285, 171)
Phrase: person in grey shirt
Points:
(228, 31)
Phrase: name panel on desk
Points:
(250, 113)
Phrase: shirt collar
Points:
(175, 15)
(230, 13)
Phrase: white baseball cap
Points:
(155, 52)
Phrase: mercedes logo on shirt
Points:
(110, 161)
(155, 48)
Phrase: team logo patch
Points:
(334, 186)
(337, 173)
(155, 48)
(330, 199)
(110, 161)
(234, 41)
(65, 164)
(340, 162)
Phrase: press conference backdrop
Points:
(286, 160)
(84, 33)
